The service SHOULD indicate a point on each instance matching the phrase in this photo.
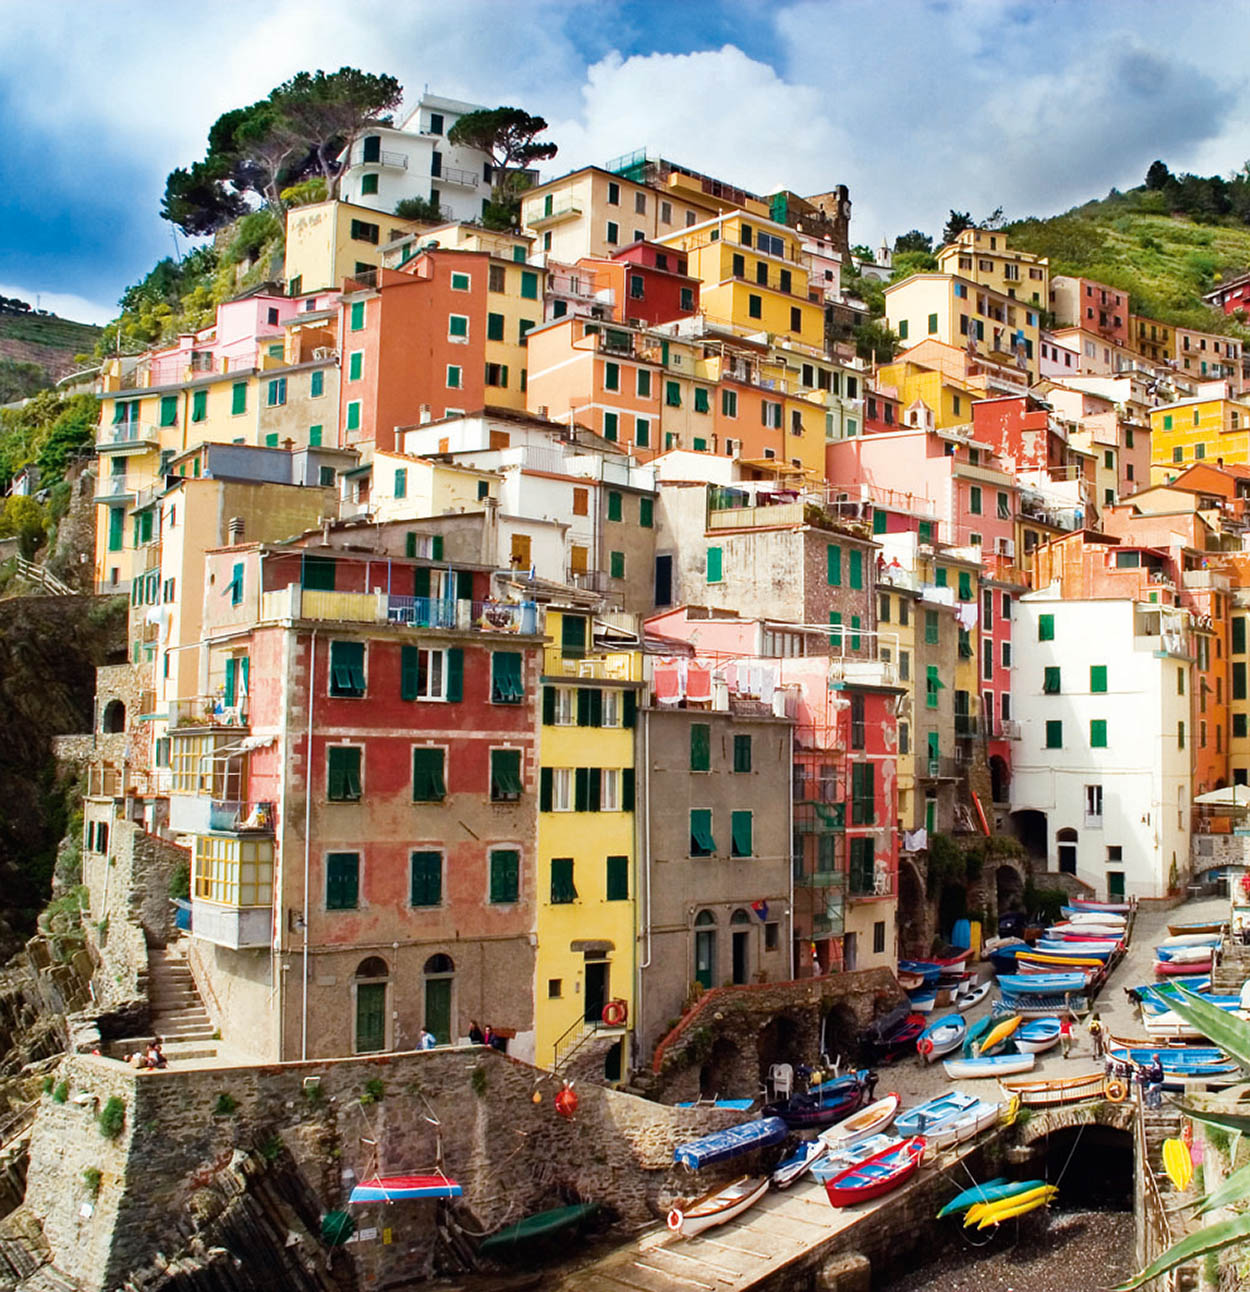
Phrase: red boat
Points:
(878, 1174)
(1166, 968)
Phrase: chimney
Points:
(234, 530)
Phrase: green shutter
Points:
(420, 578)
(646, 512)
(505, 774)
(857, 568)
(700, 399)
(715, 571)
(238, 397)
(1050, 681)
(546, 788)
(618, 879)
(230, 687)
(429, 784)
(347, 668)
(117, 529)
(740, 834)
(494, 327)
(1239, 635)
(464, 583)
(505, 875)
(169, 410)
(1054, 734)
(628, 784)
(614, 505)
(427, 878)
(199, 406)
(594, 788)
(581, 789)
(854, 633)
(742, 753)
(505, 677)
(1097, 677)
(549, 706)
(629, 709)
(583, 707)
(317, 574)
(343, 772)
(236, 581)
(965, 585)
(700, 747)
(572, 636)
(1046, 628)
(835, 622)
(1098, 733)
(562, 889)
(529, 285)
(317, 384)
(357, 316)
(342, 881)
(702, 841)
(455, 674)
(833, 565)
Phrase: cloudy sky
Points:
(917, 105)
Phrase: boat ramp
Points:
(788, 1235)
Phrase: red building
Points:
(650, 284)
(1019, 430)
(883, 410)
(1231, 296)
(389, 726)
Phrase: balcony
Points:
(609, 666)
(557, 215)
(819, 818)
(128, 437)
(875, 884)
(232, 890)
(1203, 580)
(589, 580)
(822, 879)
(455, 176)
(967, 726)
(113, 490)
(393, 160)
(206, 711)
(940, 769)
(444, 614)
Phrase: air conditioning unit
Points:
(635, 322)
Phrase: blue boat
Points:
(1004, 958)
(1082, 950)
(942, 1036)
(738, 1105)
(934, 1112)
(1197, 1059)
(990, 1191)
(1036, 1036)
(925, 969)
(720, 1146)
(1041, 984)
(1158, 1001)
(923, 999)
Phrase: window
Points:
(353, 415)
(363, 231)
(1046, 628)
(614, 505)
(555, 789)
(643, 383)
(429, 783)
(933, 324)
(497, 281)
(672, 394)
(862, 877)
(343, 773)
(1098, 733)
(863, 796)
(796, 319)
(368, 185)
(742, 753)
(494, 327)
(1239, 681)
(431, 674)
(401, 482)
(714, 565)
(857, 569)
(974, 500)
(702, 842)
(505, 876)
(497, 375)
(755, 307)
(618, 879)
(505, 775)
(454, 376)
(616, 565)
(613, 235)
(741, 843)
(902, 329)
(1180, 735)
(457, 327)
(506, 685)
(236, 580)
(933, 684)
(529, 285)
(686, 299)
(347, 669)
(646, 512)
(436, 123)
(614, 193)
(700, 747)
(562, 888)
(427, 879)
(1054, 734)
(611, 424)
(572, 636)
(965, 585)
(342, 881)
(1097, 677)
(930, 627)
(1050, 681)
(1241, 726)
(199, 406)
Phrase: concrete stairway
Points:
(178, 1014)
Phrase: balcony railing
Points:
(819, 818)
(137, 435)
(115, 489)
(397, 161)
(558, 214)
(935, 769)
(619, 666)
(241, 817)
(822, 879)
(207, 711)
(454, 175)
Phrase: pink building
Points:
(1093, 306)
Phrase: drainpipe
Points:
(644, 834)
(790, 851)
(312, 683)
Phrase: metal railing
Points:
(126, 433)
(455, 175)
(385, 157)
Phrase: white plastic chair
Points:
(781, 1078)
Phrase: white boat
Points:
(1187, 955)
(716, 1207)
(861, 1125)
(1038, 1035)
(995, 1065)
(1169, 1023)
(979, 1117)
(971, 998)
(1191, 940)
(798, 1163)
(1109, 918)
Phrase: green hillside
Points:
(36, 349)
(1132, 240)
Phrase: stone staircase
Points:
(1232, 970)
(178, 1014)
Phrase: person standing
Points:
(1065, 1034)
(1154, 1080)
(1095, 1035)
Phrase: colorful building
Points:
(985, 257)
(1093, 306)
(1192, 430)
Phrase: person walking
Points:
(1065, 1034)
(1154, 1080)
(1096, 1035)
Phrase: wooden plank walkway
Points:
(796, 1225)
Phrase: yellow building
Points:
(949, 400)
(984, 257)
(1152, 339)
(960, 312)
(1194, 430)
(754, 277)
(587, 877)
(329, 241)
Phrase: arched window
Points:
(705, 949)
(371, 987)
(113, 719)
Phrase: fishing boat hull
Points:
(1058, 1090)
(941, 1037)
(544, 1225)
(404, 1188)
(972, 998)
(717, 1207)
(1179, 930)
(821, 1106)
(998, 1065)
(798, 1163)
(1038, 1035)
(934, 1112)
(1184, 954)
(877, 1176)
(1169, 968)
(862, 1125)
(978, 1118)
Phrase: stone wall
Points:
(185, 1130)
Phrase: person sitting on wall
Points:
(154, 1058)
(476, 1036)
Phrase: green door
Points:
(704, 957)
(370, 1017)
(438, 1009)
(1115, 885)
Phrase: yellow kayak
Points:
(999, 1033)
(1010, 1213)
(984, 1210)
(1177, 1162)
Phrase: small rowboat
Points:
(542, 1225)
(1212, 926)
(861, 1125)
(999, 1034)
(837, 1160)
(1094, 950)
(717, 1206)
(1057, 1090)
(823, 1105)
(923, 999)
(1056, 962)
(1183, 955)
(970, 997)
(926, 970)
(1038, 984)
(808, 1153)
(1037, 1035)
(1169, 1023)
(1188, 1061)
(402, 1188)
(981, 1116)
(1191, 940)
(878, 1175)
(1168, 967)
(925, 1117)
(722, 1145)
(995, 1065)
(941, 1037)
(1116, 908)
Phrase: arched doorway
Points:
(839, 1033)
(1029, 826)
(1000, 778)
(716, 1076)
(439, 977)
(740, 938)
(371, 985)
(1008, 890)
(780, 1042)
(705, 950)
(113, 719)
(1065, 848)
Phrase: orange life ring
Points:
(674, 1219)
(1116, 1091)
(924, 1045)
(615, 1013)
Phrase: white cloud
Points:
(64, 304)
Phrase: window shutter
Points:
(715, 567)
(583, 707)
(231, 667)
(421, 581)
(455, 674)
(857, 568)
(596, 708)
(594, 788)
(546, 787)
(464, 585)
(629, 710)
(833, 563)
(700, 747)
(410, 544)
(581, 789)
(549, 706)
(505, 875)
(618, 879)
(408, 673)
(627, 789)
(740, 830)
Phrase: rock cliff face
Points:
(49, 650)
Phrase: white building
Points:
(414, 159)
(1101, 692)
